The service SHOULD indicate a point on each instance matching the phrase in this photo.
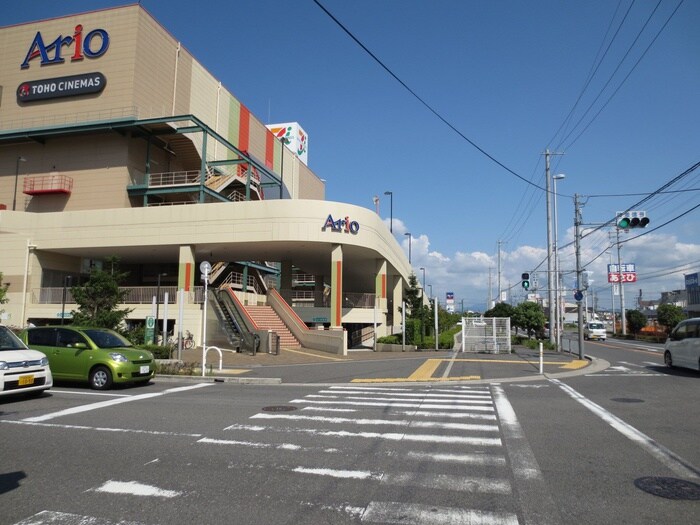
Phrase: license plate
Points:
(25, 380)
(145, 369)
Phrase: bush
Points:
(159, 352)
(390, 340)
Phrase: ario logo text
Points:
(91, 45)
(341, 225)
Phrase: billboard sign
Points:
(294, 137)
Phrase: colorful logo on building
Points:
(283, 133)
(341, 225)
(92, 45)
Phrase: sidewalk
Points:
(263, 367)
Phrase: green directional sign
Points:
(150, 330)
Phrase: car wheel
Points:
(667, 359)
(100, 378)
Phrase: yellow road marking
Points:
(425, 371)
(576, 364)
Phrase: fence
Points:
(487, 335)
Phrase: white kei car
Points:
(22, 370)
(683, 345)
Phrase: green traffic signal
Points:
(525, 278)
(633, 222)
(526, 284)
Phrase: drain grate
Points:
(279, 408)
(669, 488)
(627, 400)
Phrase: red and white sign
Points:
(627, 277)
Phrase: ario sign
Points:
(341, 225)
(91, 45)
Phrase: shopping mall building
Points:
(116, 142)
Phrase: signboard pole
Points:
(205, 268)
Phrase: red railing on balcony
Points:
(48, 184)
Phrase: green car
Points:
(96, 355)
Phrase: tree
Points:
(500, 310)
(669, 315)
(530, 317)
(99, 297)
(636, 320)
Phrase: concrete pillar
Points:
(188, 275)
(320, 299)
(286, 281)
(336, 299)
(380, 285)
(397, 294)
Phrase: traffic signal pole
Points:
(623, 319)
(579, 272)
(550, 258)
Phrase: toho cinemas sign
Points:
(75, 47)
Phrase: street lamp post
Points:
(557, 280)
(20, 158)
(430, 296)
(422, 308)
(66, 283)
(391, 210)
(158, 303)
(409, 246)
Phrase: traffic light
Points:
(525, 278)
(634, 219)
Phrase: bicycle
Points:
(188, 340)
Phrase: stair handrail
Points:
(244, 323)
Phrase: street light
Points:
(158, 304)
(423, 270)
(391, 210)
(14, 197)
(557, 279)
(431, 291)
(409, 246)
(66, 283)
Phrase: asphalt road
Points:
(616, 445)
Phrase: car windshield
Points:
(9, 341)
(107, 339)
(596, 326)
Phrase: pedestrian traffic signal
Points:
(525, 278)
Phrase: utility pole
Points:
(623, 320)
(550, 256)
(499, 270)
(577, 242)
(490, 297)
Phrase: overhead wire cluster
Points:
(567, 133)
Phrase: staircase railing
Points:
(234, 322)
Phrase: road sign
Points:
(625, 277)
(578, 295)
(150, 329)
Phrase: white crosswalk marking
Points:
(447, 439)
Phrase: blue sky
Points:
(505, 75)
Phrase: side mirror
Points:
(82, 346)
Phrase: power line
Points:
(423, 102)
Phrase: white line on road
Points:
(478, 401)
(101, 429)
(455, 396)
(389, 436)
(469, 459)
(135, 489)
(415, 514)
(111, 402)
(664, 455)
(365, 421)
(397, 404)
(536, 503)
(47, 517)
